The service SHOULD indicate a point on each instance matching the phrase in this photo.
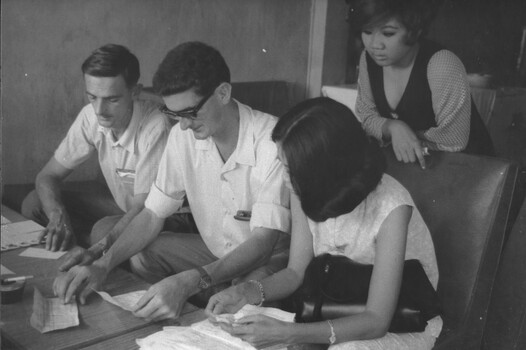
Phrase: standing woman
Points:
(411, 91)
(343, 204)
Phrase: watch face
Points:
(205, 282)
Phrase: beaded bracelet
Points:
(332, 338)
(261, 291)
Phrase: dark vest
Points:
(416, 106)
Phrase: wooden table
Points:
(102, 325)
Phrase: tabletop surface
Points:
(102, 325)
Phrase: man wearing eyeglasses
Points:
(127, 134)
(220, 155)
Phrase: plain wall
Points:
(45, 42)
(336, 41)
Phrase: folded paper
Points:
(125, 301)
(50, 314)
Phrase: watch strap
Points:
(205, 281)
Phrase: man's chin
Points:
(199, 135)
(105, 123)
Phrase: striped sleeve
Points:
(451, 98)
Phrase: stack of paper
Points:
(205, 335)
(20, 234)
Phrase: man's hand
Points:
(406, 145)
(78, 256)
(228, 301)
(79, 280)
(58, 232)
(166, 298)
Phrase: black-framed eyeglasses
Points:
(190, 113)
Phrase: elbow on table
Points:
(377, 331)
(379, 326)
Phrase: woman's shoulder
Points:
(390, 193)
(445, 61)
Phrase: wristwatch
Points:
(205, 280)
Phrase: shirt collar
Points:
(127, 139)
(244, 152)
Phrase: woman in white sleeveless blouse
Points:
(342, 203)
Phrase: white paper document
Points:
(6, 271)
(5, 220)
(41, 253)
(205, 335)
(20, 234)
(50, 314)
(125, 301)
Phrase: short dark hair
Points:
(415, 15)
(333, 165)
(112, 60)
(191, 65)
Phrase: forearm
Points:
(247, 257)
(49, 193)
(140, 232)
(386, 131)
(376, 126)
(446, 138)
(276, 287)
(125, 220)
(361, 326)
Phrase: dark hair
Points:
(191, 65)
(112, 60)
(333, 165)
(415, 15)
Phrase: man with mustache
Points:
(128, 136)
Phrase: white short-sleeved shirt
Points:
(251, 179)
(129, 164)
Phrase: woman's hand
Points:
(406, 145)
(259, 330)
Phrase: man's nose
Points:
(184, 123)
(99, 106)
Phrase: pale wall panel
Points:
(44, 43)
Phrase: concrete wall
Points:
(44, 43)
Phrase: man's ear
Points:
(224, 91)
(136, 91)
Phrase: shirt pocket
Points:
(126, 176)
